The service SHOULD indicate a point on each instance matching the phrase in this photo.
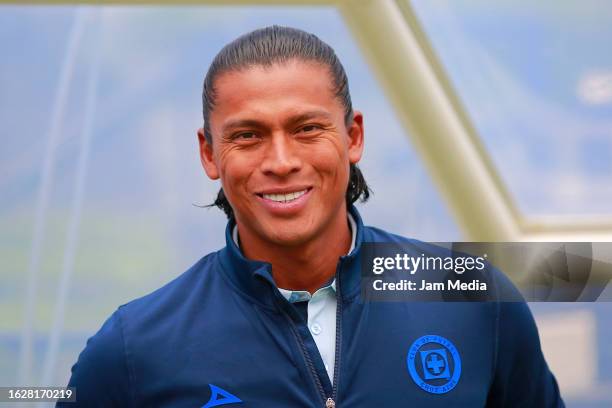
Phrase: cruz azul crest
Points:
(434, 364)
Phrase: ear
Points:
(206, 156)
(355, 133)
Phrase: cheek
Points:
(331, 160)
(235, 170)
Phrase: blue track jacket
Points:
(221, 334)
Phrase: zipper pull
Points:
(330, 403)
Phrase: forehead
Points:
(274, 91)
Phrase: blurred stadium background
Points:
(99, 169)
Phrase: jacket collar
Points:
(254, 278)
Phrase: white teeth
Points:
(284, 198)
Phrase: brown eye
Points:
(245, 136)
(310, 128)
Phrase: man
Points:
(276, 319)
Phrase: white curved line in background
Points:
(24, 375)
(72, 236)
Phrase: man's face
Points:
(282, 150)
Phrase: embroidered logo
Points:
(434, 364)
(218, 396)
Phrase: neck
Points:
(308, 265)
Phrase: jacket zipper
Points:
(309, 362)
(330, 401)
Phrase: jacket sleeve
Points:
(100, 375)
(521, 377)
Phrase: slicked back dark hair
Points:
(276, 45)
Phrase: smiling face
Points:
(282, 151)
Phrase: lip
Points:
(284, 190)
(284, 209)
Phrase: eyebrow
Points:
(303, 117)
(240, 123)
(254, 123)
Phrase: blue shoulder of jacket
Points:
(103, 371)
(100, 375)
(373, 234)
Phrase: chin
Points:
(288, 237)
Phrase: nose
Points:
(281, 158)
